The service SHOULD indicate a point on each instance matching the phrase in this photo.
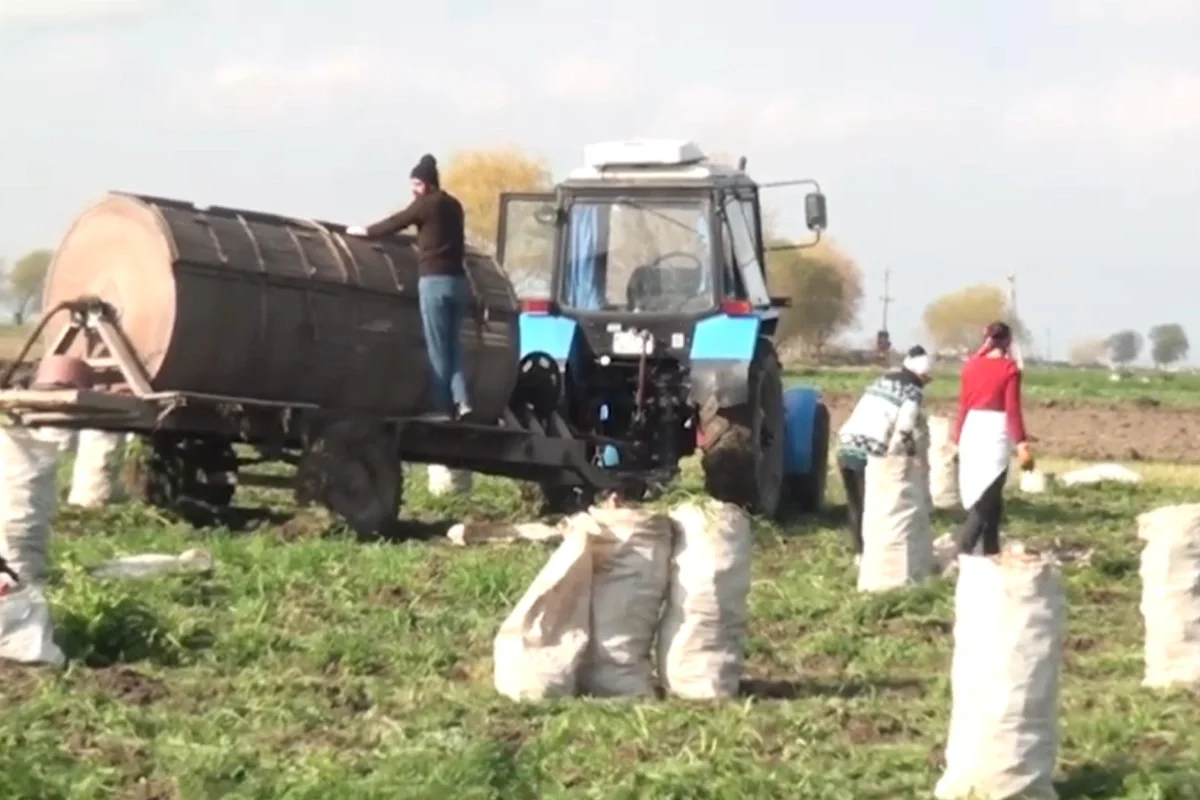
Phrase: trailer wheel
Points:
(194, 477)
(353, 469)
(743, 445)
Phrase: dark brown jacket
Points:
(440, 233)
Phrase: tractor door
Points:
(525, 242)
(739, 212)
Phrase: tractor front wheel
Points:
(806, 492)
(743, 445)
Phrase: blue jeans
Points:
(443, 303)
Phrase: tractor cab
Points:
(648, 233)
(646, 310)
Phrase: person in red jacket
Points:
(989, 423)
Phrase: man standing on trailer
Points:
(443, 290)
(888, 420)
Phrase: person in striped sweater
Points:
(889, 419)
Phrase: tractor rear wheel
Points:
(743, 445)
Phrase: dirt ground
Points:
(1092, 431)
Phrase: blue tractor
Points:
(647, 321)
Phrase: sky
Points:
(956, 141)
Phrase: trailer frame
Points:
(346, 459)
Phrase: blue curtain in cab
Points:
(582, 284)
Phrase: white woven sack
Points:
(632, 548)
(95, 477)
(1170, 572)
(1009, 620)
(26, 635)
(28, 497)
(897, 533)
(700, 638)
(539, 648)
(445, 481)
(943, 468)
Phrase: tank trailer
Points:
(624, 325)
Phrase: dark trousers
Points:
(981, 531)
(443, 303)
(854, 478)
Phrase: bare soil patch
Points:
(1091, 431)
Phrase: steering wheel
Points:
(646, 272)
(695, 259)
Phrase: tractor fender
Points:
(800, 405)
(720, 355)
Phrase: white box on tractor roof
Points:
(642, 153)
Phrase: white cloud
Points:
(1126, 12)
(464, 92)
(264, 88)
(585, 80)
(1140, 112)
(43, 11)
(72, 57)
(270, 88)
(330, 72)
(782, 117)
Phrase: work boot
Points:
(462, 411)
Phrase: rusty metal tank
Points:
(243, 304)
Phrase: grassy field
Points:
(1040, 384)
(310, 665)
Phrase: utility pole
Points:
(1013, 320)
(887, 298)
(883, 340)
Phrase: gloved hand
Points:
(1025, 457)
(355, 230)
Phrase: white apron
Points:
(984, 450)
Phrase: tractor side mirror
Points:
(814, 211)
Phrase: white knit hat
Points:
(919, 362)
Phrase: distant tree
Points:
(1168, 343)
(1124, 347)
(23, 284)
(825, 287)
(478, 177)
(1088, 351)
(956, 321)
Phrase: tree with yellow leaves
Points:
(478, 178)
(825, 287)
(955, 321)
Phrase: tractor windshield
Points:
(626, 255)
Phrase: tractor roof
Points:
(661, 163)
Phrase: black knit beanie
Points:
(426, 171)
